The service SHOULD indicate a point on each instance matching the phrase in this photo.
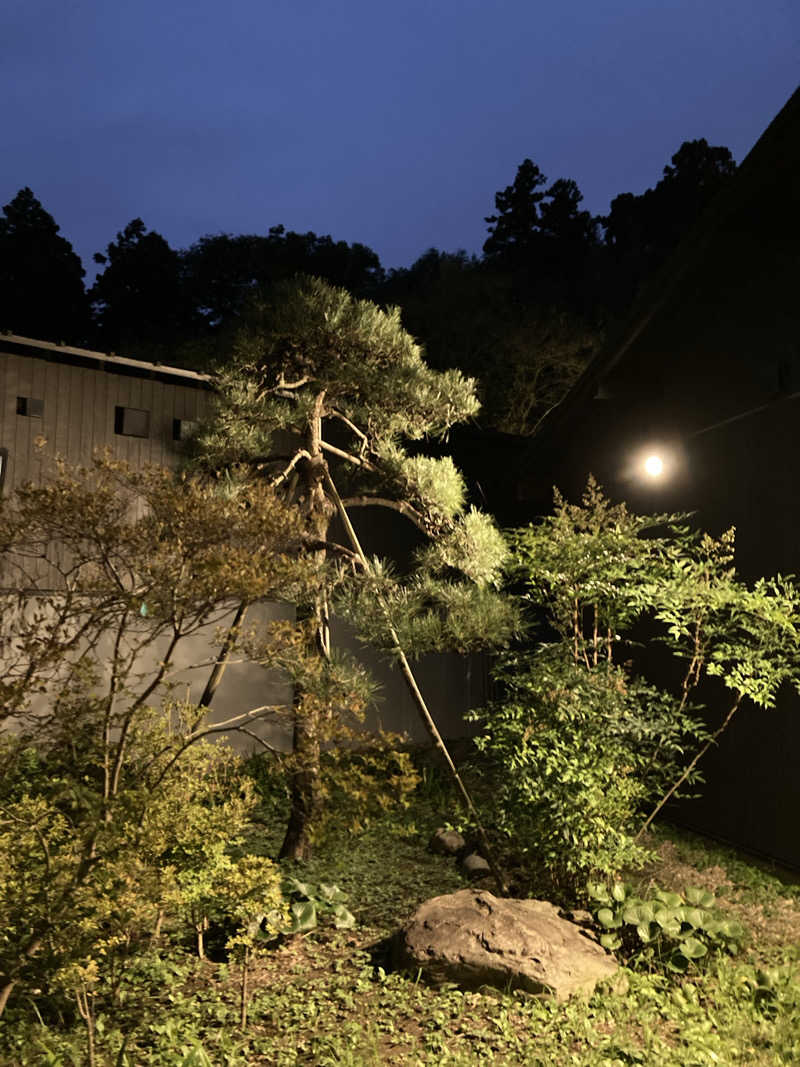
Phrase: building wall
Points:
(79, 394)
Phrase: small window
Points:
(131, 422)
(182, 429)
(31, 406)
(3, 465)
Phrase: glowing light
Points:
(654, 466)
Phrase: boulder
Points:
(446, 842)
(473, 938)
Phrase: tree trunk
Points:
(304, 788)
(304, 783)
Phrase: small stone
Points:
(475, 866)
(446, 842)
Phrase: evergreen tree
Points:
(140, 303)
(321, 396)
(524, 352)
(513, 231)
(41, 277)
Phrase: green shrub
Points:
(586, 745)
(569, 794)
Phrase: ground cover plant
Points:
(327, 996)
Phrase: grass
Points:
(326, 998)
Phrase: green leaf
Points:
(607, 918)
(692, 949)
(677, 963)
(701, 898)
(693, 916)
(672, 900)
(304, 917)
(302, 889)
(331, 894)
(644, 932)
(619, 891)
(610, 941)
(668, 924)
(597, 891)
(342, 918)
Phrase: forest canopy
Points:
(524, 318)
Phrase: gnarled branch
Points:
(395, 505)
(357, 461)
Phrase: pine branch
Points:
(355, 460)
(333, 413)
(416, 695)
(301, 453)
(395, 505)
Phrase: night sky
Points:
(392, 124)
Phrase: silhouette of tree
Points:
(641, 231)
(41, 278)
(524, 350)
(223, 271)
(513, 231)
(140, 303)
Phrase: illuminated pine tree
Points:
(322, 395)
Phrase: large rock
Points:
(474, 938)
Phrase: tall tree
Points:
(139, 299)
(523, 351)
(514, 230)
(41, 277)
(321, 396)
(542, 234)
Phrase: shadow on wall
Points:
(451, 684)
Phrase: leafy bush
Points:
(82, 895)
(585, 742)
(569, 793)
(666, 931)
(116, 813)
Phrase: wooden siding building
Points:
(79, 401)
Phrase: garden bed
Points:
(327, 998)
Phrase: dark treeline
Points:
(523, 318)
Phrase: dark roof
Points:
(13, 344)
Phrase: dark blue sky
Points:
(388, 123)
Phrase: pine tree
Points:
(322, 395)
